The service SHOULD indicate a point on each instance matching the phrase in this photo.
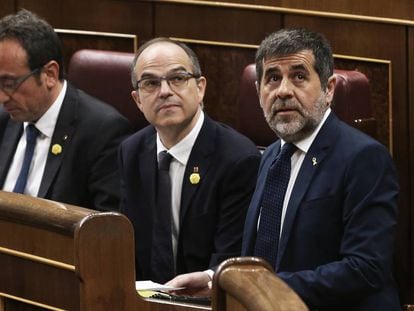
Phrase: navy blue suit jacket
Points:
(85, 173)
(212, 212)
(337, 240)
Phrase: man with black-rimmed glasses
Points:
(56, 142)
(186, 179)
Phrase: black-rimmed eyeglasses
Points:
(176, 81)
(10, 85)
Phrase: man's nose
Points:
(165, 88)
(285, 89)
(3, 96)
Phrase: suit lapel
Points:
(199, 162)
(61, 140)
(11, 136)
(311, 164)
(148, 170)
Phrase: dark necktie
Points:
(162, 262)
(31, 136)
(267, 240)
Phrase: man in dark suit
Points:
(339, 209)
(212, 172)
(75, 154)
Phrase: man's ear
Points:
(51, 70)
(135, 97)
(201, 87)
(330, 89)
(256, 83)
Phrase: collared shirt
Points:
(181, 153)
(46, 126)
(297, 160)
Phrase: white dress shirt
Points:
(46, 126)
(296, 162)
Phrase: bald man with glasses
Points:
(56, 142)
(186, 180)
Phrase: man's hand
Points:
(195, 284)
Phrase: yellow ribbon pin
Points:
(195, 176)
(56, 149)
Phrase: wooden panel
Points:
(95, 15)
(6, 7)
(217, 24)
(406, 237)
(222, 83)
(402, 9)
(13, 237)
(30, 280)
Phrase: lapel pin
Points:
(65, 137)
(314, 162)
(56, 149)
(195, 176)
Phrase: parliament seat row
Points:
(56, 256)
(106, 75)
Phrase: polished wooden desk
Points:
(61, 257)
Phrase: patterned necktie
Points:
(162, 263)
(31, 137)
(267, 240)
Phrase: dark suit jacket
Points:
(337, 241)
(85, 173)
(212, 212)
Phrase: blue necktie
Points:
(267, 240)
(31, 136)
(162, 262)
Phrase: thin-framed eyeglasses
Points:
(10, 85)
(176, 81)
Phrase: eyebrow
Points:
(299, 67)
(8, 76)
(271, 70)
(174, 70)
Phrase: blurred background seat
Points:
(106, 75)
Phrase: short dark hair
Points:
(190, 53)
(290, 41)
(36, 36)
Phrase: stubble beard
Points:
(302, 124)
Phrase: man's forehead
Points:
(12, 55)
(163, 50)
(295, 60)
(163, 56)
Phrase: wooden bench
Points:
(56, 256)
(61, 257)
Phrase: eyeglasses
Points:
(176, 81)
(10, 85)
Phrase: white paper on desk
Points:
(150, 285)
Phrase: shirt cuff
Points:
(210, 273)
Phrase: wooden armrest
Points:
(252, 283)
